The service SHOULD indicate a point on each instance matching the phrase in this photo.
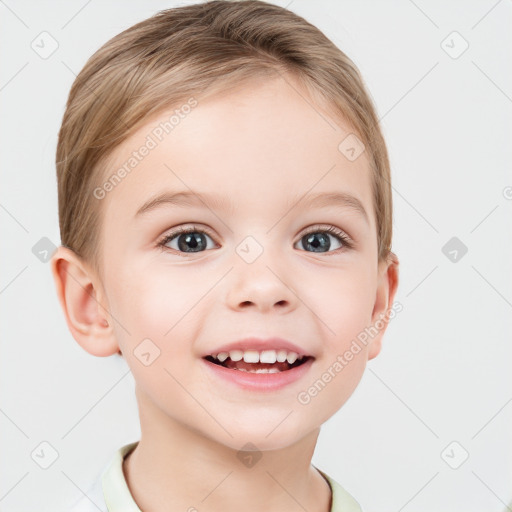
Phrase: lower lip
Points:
(260, 381)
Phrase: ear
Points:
(386, 289)
(84, 303)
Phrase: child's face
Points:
(255, 153)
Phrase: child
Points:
(225, 214)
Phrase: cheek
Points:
(344, 309)
(344, 302)
(162, 307)
(157, 311)
(153, 302)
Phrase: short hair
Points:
(198, 50)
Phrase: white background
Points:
(444, 372)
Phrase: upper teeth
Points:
(254, 356)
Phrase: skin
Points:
(257, 147)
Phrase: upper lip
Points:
(259, 344)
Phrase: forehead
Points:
(264, 142)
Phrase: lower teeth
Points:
(261, 370)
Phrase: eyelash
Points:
(342, 237)
(337, 233)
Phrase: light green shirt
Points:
(118, 498)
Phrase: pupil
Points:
(194, 241)
(317, 241)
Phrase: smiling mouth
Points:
(258, 367)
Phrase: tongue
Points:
(255, 366)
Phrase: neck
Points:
(175, 468)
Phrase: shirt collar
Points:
(118, 497)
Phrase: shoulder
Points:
(342, 501)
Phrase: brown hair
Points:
(196, 50)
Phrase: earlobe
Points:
(386, 290)
(375, 348)
(82, 301)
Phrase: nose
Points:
(261, 285)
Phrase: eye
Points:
(318, 239)
(189, 240)
(193, 240)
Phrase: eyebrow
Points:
(187, 198)
(337, 199)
